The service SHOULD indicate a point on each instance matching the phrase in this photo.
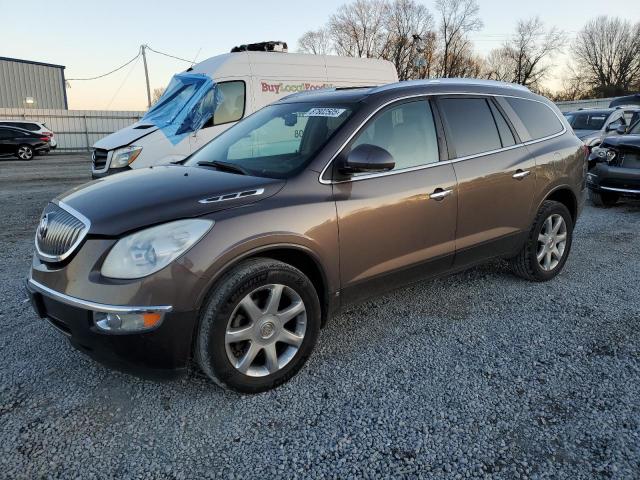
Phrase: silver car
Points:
(592, 125)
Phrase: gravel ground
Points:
(476, 375)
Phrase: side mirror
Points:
(621, 130)
(367, 158)
(611, 127)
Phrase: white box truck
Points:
(206, 99)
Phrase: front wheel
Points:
(547, 247)
(25, 152)
(603, 199)
(258, 327)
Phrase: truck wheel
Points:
(24, 152)
(258, 326)
(603, 199)
(547, 247)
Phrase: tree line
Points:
(604, 56)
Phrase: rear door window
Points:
(539, 120)
(506, 135)
(471, 125)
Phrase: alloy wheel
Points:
(552, 241)
(25, 153)
(266, 330)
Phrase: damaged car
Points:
(614, 168)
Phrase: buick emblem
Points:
(44, 226)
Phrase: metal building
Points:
(27, 84)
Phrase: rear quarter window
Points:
(539, 120)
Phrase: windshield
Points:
(176, 96)
(277, 141)
(586, 120)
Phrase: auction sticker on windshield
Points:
(324, 112)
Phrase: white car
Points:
(36, 127)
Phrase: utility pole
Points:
(146, 74)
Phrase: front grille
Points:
(99, 158)
(59, 233)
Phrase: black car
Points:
(614, 167)
(22, 143)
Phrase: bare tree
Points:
(316, 42)
(409, 39)
(607, 53)
(358, 29)
(498, 65)
(157, 93)
(457, 19)
(573, 87)
(525, 58)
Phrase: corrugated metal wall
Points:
(75, 130)
(21, 79)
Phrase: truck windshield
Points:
(277, 141)
(177, 95)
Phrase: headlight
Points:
(145, 252)
(125, 156)
(611, 154)
(599, 152)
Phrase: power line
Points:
(108, 73)
(123, 82)
(170, 56)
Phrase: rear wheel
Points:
(24, 152)
(547, 247)
(258, 327)
(603, 199)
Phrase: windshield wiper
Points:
(225, 166)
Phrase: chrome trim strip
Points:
(233, 196)
(444, 162)
(94, 306)
(81, 236)
(621, 190)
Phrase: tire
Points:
(24, 152)
(527, 263)
(603, 199)
(225, 314)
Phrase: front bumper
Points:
(159, 353)
(609, 178)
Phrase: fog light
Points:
(127, 322)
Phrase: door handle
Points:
(439, 194)
(520, 174)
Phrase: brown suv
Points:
(237, 257)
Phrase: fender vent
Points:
(233, 196)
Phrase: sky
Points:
(92, 38)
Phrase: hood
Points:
(582, 134)
(143, 197)
(125, 136)
(628, 142)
